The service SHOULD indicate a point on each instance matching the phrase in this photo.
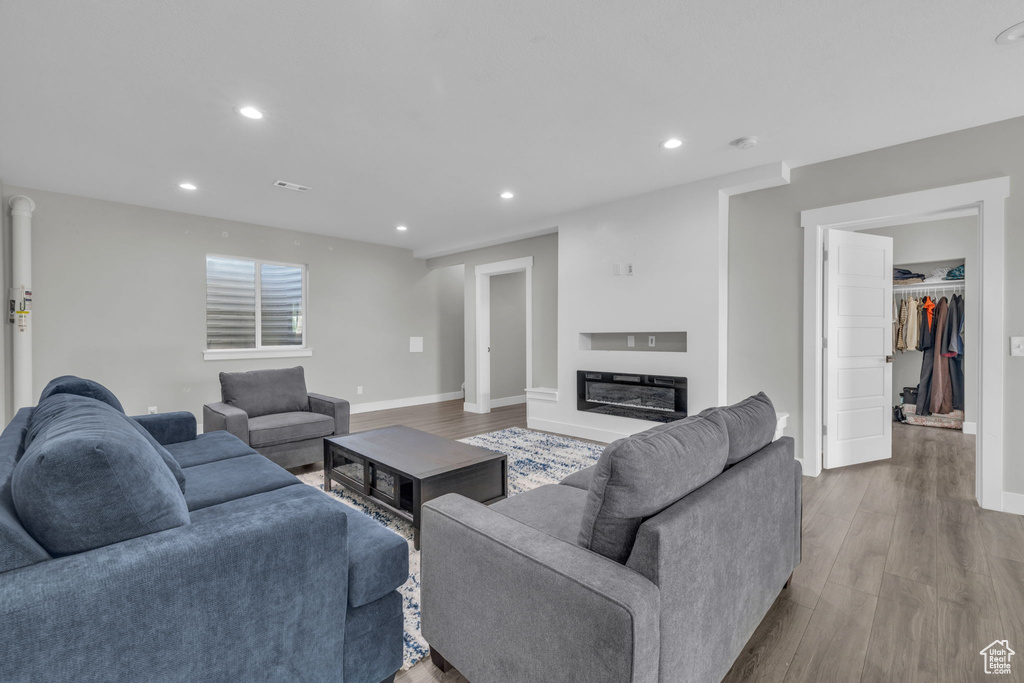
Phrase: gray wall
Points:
(922, 247)
(766, 258)
(544, 250)
(120, 297)
(508, 335)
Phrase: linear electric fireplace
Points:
(643, 397)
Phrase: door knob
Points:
(888, 359)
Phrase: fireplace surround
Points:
(659, 398)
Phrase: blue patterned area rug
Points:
(534, 459)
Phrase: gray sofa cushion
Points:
(751, 424)
(553, 509)
(271, 430)
(91, 479)
(69, 384)
(641, 475)
(581, 479)
(263, 392)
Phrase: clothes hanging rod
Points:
(929, 286)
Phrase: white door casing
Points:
(858, 349)
(483, 275)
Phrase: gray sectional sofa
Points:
(135, 550)
(656, 564)
(271, 411)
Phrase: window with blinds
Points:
(254, 304)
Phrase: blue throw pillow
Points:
(90, 478)
(54, 406)
(69, 384)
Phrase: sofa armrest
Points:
(221, 416)
(236, 597)
(505, 602)
(168, 428)
(338, 408)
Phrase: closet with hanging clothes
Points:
(930, 318)
(934, 366)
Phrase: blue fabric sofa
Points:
(226, 568)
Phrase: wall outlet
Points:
(629, 269)
(359, 390)
(616, 269)
(630, 341)
(415, 344)
(650, 341)
(1017, 346)
(151, 410)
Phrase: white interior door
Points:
(858, 348)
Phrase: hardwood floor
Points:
(446, 419)
(903, 578)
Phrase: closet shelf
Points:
(946, 285)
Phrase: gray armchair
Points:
(272, 412)
(653, 566)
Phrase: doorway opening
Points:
(504, 326)
(984, 200)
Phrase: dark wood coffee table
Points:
(401, 468)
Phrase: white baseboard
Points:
(510, 401)
(1013, 502)
(579, 431)
(970, 427)
(404, 402)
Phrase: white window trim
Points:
(267, 351)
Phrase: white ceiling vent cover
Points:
(291, 186)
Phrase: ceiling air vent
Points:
(291, 186)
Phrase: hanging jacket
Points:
(901, 337)
(912, 333)
(941, 400)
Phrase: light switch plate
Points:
(1017, 346)
(630, 340)
(415, 344)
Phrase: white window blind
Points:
(253, 304)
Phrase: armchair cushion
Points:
(69, 384)
(271, 430)
(264, 392)
(641, 475)
(91, 479)
(751, 424)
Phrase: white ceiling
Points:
(421, 112)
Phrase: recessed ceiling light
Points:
(672, 143)
(250, 112)
(507, 195)
(745, 143)
(1011, 35)
(186, 186)
(401, 228)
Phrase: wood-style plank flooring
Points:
(903, 577)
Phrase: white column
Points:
(21, 281)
